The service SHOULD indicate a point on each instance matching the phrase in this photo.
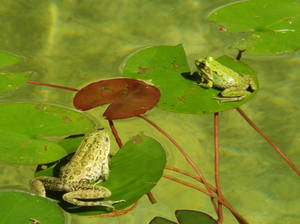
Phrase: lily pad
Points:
(10, 82)
(21, 207)
(71, 143)
(30, 132)
(186, 217)
(127, 97)
(8, 59)
(193, 217)
(168, 70)
(161, 220)
(134, 171)
(271, 26)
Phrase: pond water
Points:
(73, 43)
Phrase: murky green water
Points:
(73, 43)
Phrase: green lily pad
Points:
(271, 26)
(193, 217)
(29, 132)
(23, 149)
(71, 144)
(10, 82)
(160, 220)
(8, 59)
(186, 217)
(21, 207)
(134, 171)
(166, 67)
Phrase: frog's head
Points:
(205, 66)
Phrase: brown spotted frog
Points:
(89, 164)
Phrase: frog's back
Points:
(223, 76)
(89, 159)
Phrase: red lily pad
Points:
(127, 97)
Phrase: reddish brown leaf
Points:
(127, 97)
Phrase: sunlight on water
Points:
(53, 11)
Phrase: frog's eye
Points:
(106, 139)
(202, 64)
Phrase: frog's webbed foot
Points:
(39, 185)
(81, 197)
(206, 85)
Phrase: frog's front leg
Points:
(95, 192)
(207, 85)
(39, 185)
(105, 171)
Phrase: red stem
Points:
(51, 85)
(222, 200)
(189, 175)
(190, 185)
(217, 179)
(184, 154)
(240, 219)
(151, 197)
(116, 212)
(115, 133)
(268, 140)
(239, 56)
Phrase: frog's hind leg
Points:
(233, 94)
(39, 185)
(81, 197)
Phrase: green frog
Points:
(88, 164)
(215, 75)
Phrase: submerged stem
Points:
(189, 175)
(217, 179)
(221, 199)
(188, 159)
(51, 85)
(242, 113)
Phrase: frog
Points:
(234, 86)
(89, 164)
